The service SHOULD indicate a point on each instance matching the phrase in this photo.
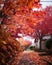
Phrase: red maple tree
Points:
(17, 15)
(44, 27)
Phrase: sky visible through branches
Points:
(45, 3)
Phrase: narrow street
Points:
(33, 58)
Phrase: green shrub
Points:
(49, 44)
(32, 47)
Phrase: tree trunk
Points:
(40, 44)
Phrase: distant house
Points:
(45, 38)
(43, 47)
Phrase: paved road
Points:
(31, 58)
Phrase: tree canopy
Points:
(19, 17)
